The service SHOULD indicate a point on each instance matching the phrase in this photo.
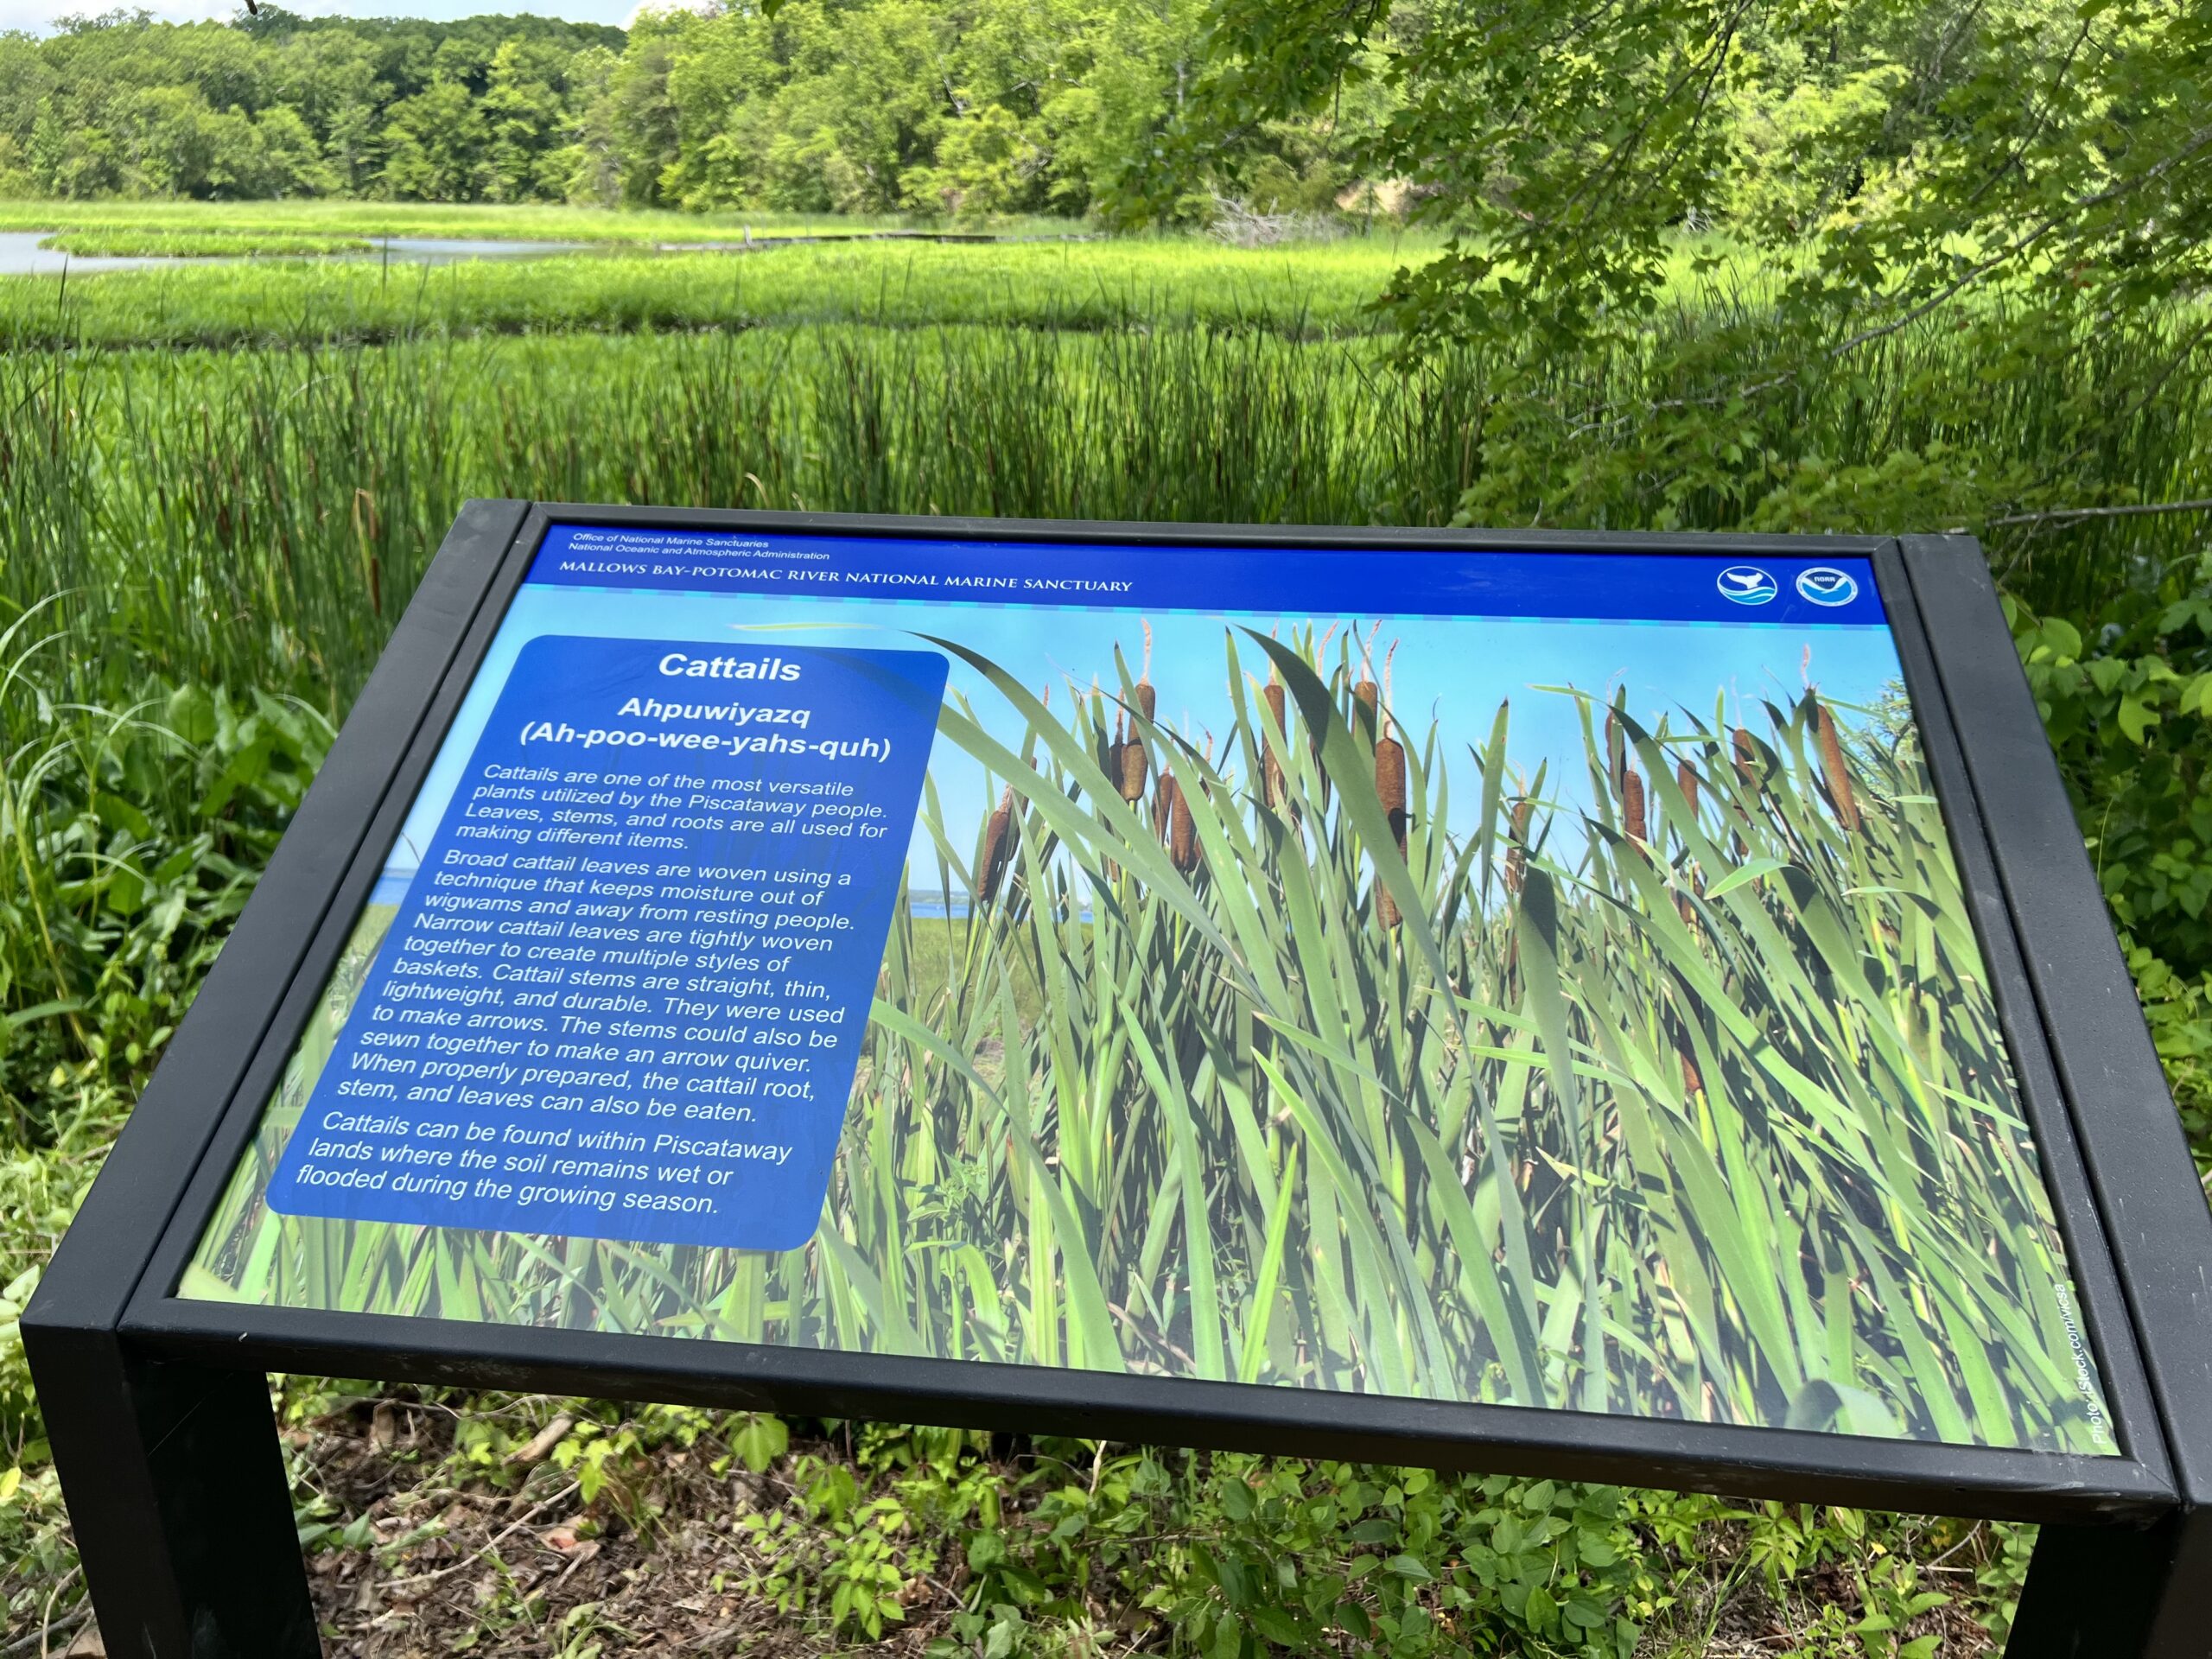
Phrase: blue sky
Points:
(1452, 672)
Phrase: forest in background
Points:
(870, 106)
(968, 110)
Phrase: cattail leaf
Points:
(1206, 1345)
(885, 1316)
(1089, 1299)
(1252, 1345)
(1336, 1057)
(1363, 1227)
(1506, 1308)
(1750, 870)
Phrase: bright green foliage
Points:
(2132, 725)
(963, 1545)
(2131, 717)
(882, 106)
(2039, 173)
(328, 218)
(130, 834)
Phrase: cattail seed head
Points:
(1390, 760)
(1182, 830)
(1386, 907)
(1390, 786)
(1365, 694)
(1747, 758)
(1130, 766)
(1275, 787)
(1134, 768)
(1686, 780)
(1632, 804)
(998, 845)
(1832, 766)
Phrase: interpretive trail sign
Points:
(1627, 1008)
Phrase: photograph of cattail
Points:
(1562, 1014)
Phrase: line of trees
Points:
(1517, 117)
(991, 106)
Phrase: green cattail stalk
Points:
(1313, 732)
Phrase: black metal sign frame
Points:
(158, 1409)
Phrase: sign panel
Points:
(532, 1051)
(1535, 978)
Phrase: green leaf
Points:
(1540, 1611)
(1750, 870)
(1586, 1611)
(760, 1440)
(1279, 1627)
(2135, 720)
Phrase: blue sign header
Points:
(1259, 580)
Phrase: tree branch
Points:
(2203, 505)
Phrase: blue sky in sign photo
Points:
(1451, 672)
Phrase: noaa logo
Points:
(1823, 584)
(1747, 584)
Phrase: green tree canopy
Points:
(2036, 167)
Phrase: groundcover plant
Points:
(1263, 1008)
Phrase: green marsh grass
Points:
(533, 221)
(1301, 292)
(1694, 1104)
(126, 242)
(260, 517)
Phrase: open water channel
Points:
(20, 255)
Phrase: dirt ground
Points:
(427, 1566)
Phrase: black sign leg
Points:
(178, 1499)
(2119, 1592)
